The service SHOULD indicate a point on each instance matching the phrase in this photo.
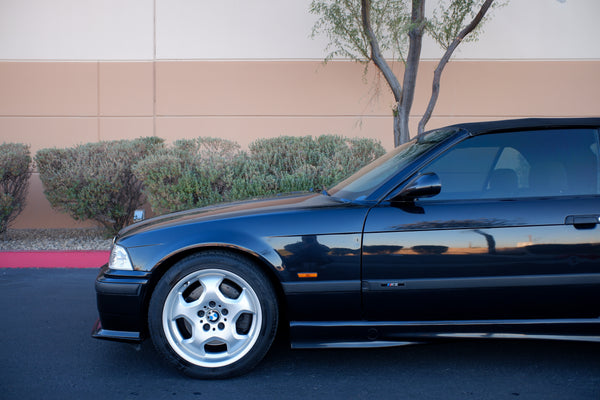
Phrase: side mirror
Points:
(426, 185)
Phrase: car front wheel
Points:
(213, 315)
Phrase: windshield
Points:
(364, 182)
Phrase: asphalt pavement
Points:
(46, 352)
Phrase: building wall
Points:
(77, 71)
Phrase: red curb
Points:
(53, 259)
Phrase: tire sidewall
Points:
(232, 263)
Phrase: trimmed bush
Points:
(304, 163)
(192, 173)
(203, 171)
(95, 181)
(247, 179)
(15, 163)
(284, 154)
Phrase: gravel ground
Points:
(54, 239)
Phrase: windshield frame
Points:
(398, 162)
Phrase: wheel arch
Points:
(261, 262)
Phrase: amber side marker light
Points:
(307, 274)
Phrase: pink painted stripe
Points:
(53, 259)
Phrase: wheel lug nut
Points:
(206, 327)
(225, 311)
(221, 326)
(201, 313)
(212, 304)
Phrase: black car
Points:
(481, 230)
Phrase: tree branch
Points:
(437, 75)
(376, 55)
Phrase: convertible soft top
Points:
(478, 128)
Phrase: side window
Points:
(520, 164)
(513, 160)
(464, 170)
(510, 175)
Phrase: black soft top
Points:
(478, 128)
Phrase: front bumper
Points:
(120, 297)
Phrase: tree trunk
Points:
(415, 36)
(400, 130)
(437, 75)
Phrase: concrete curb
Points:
(53, 259)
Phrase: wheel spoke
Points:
(211, 284)
(241, 305)
(232, 339)
(183, 309)
(200, 338)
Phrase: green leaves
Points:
(307, 163)
(95, 180)
(450, 18)
(341, 22)
(191, 173)
(203, 171)
(107, 181)
(15, 162)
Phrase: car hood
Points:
(231, 210)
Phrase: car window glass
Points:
(366, 180)
(464, 170)
(512, 160)
(520, 164)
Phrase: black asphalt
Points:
(46, 352)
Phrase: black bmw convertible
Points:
(480, 230)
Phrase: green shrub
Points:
(306, 163)
(95, 180)
(247, 179)
(15, 162)
(203, 171)
(192, 173)
(284, 154)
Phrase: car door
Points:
(513, 234)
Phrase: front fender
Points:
(150, 257)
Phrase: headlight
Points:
(119, 259)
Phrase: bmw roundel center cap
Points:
(212, 316)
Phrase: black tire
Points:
(213, 315)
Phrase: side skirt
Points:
(365, 334)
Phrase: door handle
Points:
(583, 221)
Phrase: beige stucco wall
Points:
(59, 104)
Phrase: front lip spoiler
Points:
(117, 336)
